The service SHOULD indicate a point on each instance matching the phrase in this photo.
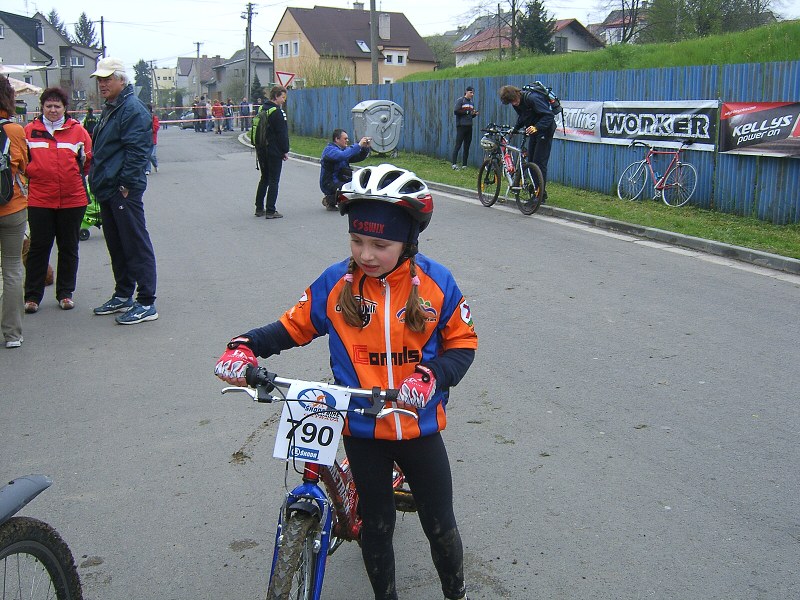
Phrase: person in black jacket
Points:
(535, 117)
(464, 112)
(271, 157)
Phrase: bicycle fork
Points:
(310, 499)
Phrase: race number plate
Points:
(310, 429)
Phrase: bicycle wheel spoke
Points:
(531, 189)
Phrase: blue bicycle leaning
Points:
(314, 520)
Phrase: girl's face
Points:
(375, 256)
(53, 109)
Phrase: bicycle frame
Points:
(658, 181)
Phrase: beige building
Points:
(326, 46)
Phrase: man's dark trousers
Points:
(270, 166)
(463, 136)
(539, 146)
(133, 260)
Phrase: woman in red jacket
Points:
(60, 150)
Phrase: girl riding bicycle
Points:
(394, 319)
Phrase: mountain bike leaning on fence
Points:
(315, 520)
(34, 561)
(504, 161)
(675, 187)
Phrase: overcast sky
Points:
(162, 30)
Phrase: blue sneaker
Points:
(138, 314)
(114, 305)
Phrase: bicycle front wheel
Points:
(679, 185)
(632, 181)
(35, 563)
(293, 574)
(529, 195)
(489, 181)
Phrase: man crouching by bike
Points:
(535, 118)
(335, 168)
(423, 346)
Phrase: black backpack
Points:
(540, 88)
(6, 178)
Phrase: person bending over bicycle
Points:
(394, 319)
(535, 118)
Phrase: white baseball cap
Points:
(108, 66)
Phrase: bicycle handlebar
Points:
(684, 142)
(265, 382)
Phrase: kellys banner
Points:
(765, 128)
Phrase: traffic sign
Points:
(285, 79)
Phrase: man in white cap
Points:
(123, 142)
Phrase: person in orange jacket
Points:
(394, 319)
(13, 218)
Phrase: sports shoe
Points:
(114, 305)
(31, 307)
(137, 314)
(14, 343)
(273, 215)
(259, 212)
(66, 304)
(463, 167)
(455, 167)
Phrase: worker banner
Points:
(762, 128)
(662, 124)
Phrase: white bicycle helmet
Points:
(388, 183)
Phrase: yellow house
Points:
(330, 46)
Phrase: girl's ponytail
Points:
(415, 316)
(351, 309)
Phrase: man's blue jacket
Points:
(121, 144)
(335, 165)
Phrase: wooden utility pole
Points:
(197, 68)
(248, 50)
(373, 41)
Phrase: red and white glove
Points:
(232, 365)
(417, 389)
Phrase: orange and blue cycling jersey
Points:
(384, 351)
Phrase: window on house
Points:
(295, 48)
(387, 80)
(363, 46)
(283, 50)
(78, 95)
(39, 33)
(465, 37)
(28, 79)
(401, 60)
(561, 44)
(75, 61)
(388, 59)
(2, 31)
(63, 61)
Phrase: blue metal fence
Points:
(760, 186)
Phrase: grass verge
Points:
(748, 232)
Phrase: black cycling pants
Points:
(427, 469)
(539, 146)
(463, 136)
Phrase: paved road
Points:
(629, 428)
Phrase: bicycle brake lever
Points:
(389, 410)
(249, 391)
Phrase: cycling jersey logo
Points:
(362, 356)
(466, 314)
(431, 316)
(367, 306)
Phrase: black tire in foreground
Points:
(36, 563)
(293, 573)
(489, 181)
(531, 192)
